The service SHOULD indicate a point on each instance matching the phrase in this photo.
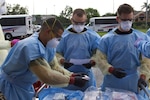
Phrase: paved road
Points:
(98, 76)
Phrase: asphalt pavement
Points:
(98, 75)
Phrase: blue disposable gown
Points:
(79, 46)
(144, 47)
(16, 79)
(148, 32)
(121, 53)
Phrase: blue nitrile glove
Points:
(136, 43)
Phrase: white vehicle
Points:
(102, 24)
(16, 26)
(36, 28)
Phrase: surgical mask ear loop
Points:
(52, 25)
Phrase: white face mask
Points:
(78, 28)
(52, 43)
(126, 25)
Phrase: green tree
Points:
(110, 14)
(147, 11)
(66, 13)
(91, 13)
(16, 9)
(65, 16)
(66, 22)
(145, 5)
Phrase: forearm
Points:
(101, 62)
(93, 58)
(144, 47)
(55, 78)
(145, 68)
(56, 66)
(47, 75)
(59, 57)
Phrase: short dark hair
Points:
(79, 12)
(52, 22)
(125, 9)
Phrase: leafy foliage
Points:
(67, 12)
(110, 14)
(16, 9)
(91, 13)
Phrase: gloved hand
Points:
(79, 74)
(37, 85)
(117, 72)
(142, 81)
(90, 64)
(78, 81)
(137, 42)
(65, 63)
(14, 41)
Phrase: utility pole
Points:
(146, 13)
(54, 9)
(113, 6)
(46, 12)
(33, 7)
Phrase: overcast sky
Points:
(56, 6)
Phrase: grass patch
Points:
(143, 30)
(102, 33)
